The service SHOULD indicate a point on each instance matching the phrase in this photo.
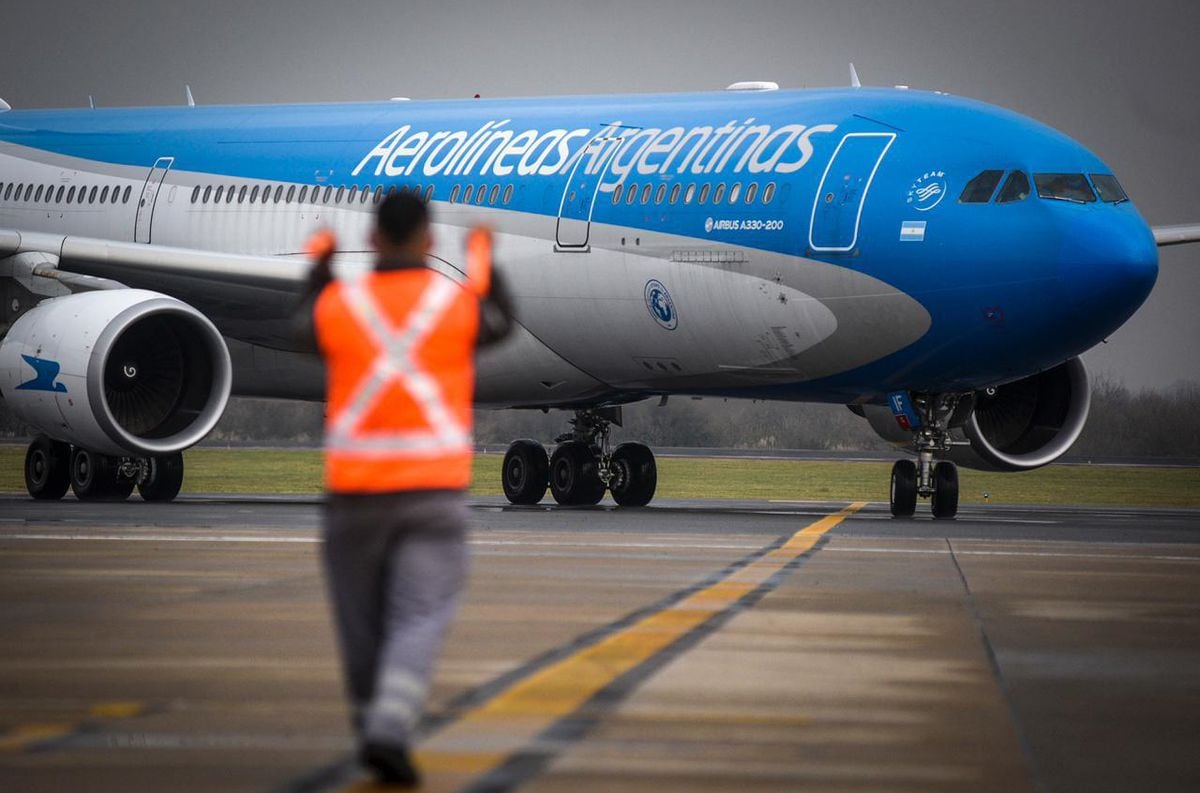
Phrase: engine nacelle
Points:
(1014, 427)
(122, 372)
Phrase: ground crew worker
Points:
(398, 346)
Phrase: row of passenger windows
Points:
(698, 194)
(303, 194)
(48, 194)
(1059, 186)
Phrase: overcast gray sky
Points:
(1122, 77)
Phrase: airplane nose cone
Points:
(1110, 265)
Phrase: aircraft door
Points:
(583, 187)
(145, 207)
(838, 204)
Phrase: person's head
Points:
(402, 227)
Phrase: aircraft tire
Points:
(164, 480)
(94, 477)
(525, 473)
(904, 489)
(47, 469)
(635, 475)
(575, 475)
(945, 491)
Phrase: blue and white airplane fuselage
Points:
(820, 245)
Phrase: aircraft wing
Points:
(247, 297)
(1177, 235)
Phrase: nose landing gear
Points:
(582, 468)
(924, 478)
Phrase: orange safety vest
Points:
(399, 353)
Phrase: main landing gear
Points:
(51, 467)
(582, 468)
(924, 478)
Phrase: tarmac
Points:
(695, 646)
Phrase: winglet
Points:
(854, 81)
(4, 106)
(190, 99)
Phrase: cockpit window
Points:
(1109, 188)
(979, 190)
(1064, 187)
(1016, 188)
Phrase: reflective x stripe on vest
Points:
(396, 362)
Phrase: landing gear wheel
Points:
(47, 469)
(575, 475)
(635, 475)
(94, 477)
(904, 489)
(526, 472)
(164, 477)
(945, 490)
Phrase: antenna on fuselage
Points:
(191, 100)
(91, 102)
(854, 81)
(4, 106)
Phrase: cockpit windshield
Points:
(1016, 188)
(1109, 188)
(1064, 187)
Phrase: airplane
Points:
(935, 263)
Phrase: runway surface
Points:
(691, 646)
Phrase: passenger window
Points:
(660, 194)
(113, 198)
(195, 193)
(1109, 188)
(219, 194)
(59, 195)
(751, 192)
(769, 193)
(467, 193)
(631, 195)
(719, 193)
(242, 194)
(1016, 188)
(71, 195)
(690, 194)
(1064, 187)
(38, 195)
(735, 190)
(351, 195)
(617, 193)
(378, 194)
(454, 194)
(495, 194)
(675, 191)
(979, 190)
(429, 194)
(81, 195)
(91, 194)
(125, 197)
(481, 194)
(704, 188)
(337, 194)
(1, 188)
(17, 196)
(508, 194)
(207, 193)
(229, 195)
(328, 194)
(646, 194)
(254, 194)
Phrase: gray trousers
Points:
(395, 565)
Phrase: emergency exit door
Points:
(838, 205)
(145, 208)
(583, 187)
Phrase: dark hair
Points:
(401, 215)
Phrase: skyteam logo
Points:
(662, 308)
(927, 191)
(45, 376)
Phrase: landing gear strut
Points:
(582, 467)
(925, 478)
(51, 467)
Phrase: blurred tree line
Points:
(1123, 423)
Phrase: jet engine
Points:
(1018, 426)
(118, 372)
